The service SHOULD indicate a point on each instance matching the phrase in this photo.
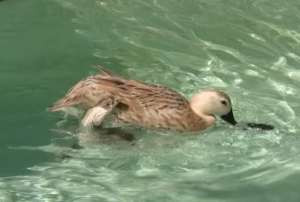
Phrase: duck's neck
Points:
(209, 119)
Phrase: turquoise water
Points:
(249, 49)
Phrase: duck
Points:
(131, 102)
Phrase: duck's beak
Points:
(229, 118)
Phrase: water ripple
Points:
(249, 49)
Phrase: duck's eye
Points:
(223, 102)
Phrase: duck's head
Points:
(213, 102)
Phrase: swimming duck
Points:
(130, 101)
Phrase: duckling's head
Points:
(213, 102)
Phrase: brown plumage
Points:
(148, 105)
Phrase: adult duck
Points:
(129, 101)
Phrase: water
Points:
(249, 49)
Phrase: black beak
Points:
(229, 118)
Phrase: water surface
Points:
(249, 49)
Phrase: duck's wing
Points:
(154, 106)
(157, 97)
(142, 96)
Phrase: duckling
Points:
(152, 106)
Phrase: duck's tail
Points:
(75, 96)
(66, 101)
(83, 92)
(104, 72)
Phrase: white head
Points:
(213, 102)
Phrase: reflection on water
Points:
(249, 49)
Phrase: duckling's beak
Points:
(229, 118)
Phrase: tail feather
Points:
(90, 91)
(104, 72)
(65, 102)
